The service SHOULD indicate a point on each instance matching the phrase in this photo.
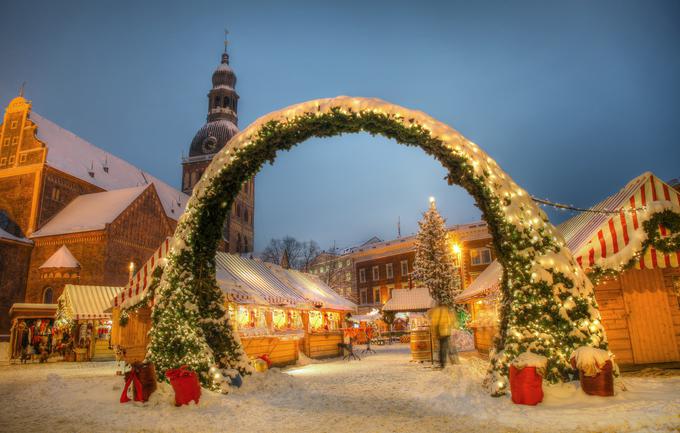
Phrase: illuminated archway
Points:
(547, 303)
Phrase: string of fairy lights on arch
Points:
(568, 207)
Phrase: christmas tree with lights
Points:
(434, 262)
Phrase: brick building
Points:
(381, 267)
(71, 212)
(221, 126)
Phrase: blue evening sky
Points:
(572, 98)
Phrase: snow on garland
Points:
(547, 303)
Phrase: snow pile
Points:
(529, 359)
(590, 360)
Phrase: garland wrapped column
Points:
(547, 303)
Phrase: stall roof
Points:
(257, 277)
(417, 299)
(36, 311)
(310, 287)
(606, 239)
(10, 237)
(88, 302)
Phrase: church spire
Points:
(225, 55)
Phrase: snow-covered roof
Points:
(606, 239)
(88, 302)
(11, 237)
(89, 212)
(62, 258)
(312, 288)
(73, 155)
(417, 299)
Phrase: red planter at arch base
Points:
(526, 386)
(186, 386)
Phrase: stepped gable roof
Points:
(62, 258)
(10, 237)
(75, 156)
(90, 212)
(607, 239)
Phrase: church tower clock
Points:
(221, 126)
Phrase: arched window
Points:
(238, 210)
(217, 101)
(238, 242)
(227, 102)
(245, 215)
(48, 295)
(245, 244)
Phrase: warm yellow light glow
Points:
(456, 248)
(132, 266)
(431, 199)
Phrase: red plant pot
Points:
(185, 384)
(601, 384)
(526, 386)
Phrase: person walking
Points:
(441, 323)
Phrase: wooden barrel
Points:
(421, 349)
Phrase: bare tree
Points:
(300, 254)
(333, 273)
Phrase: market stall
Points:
(637, 293)
(33, 337)
(416, 300)
(84, 314)
(276, 311)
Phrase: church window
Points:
(187, 179)
(245, 244)
(226, 103)
(245, 215)
(194, 178)
(14, 124)
(238, 210)
(245, 187)
(217, 101)
(11, 159)
(48, 295)
(15, 139)
(56, 194)
(6, 141)
(22, 157)
(238, 242)
(3, 161)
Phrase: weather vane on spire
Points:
(21, 89)
(226, 41)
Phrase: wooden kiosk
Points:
(277, 312)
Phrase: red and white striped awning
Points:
(87, 302)
(610, 240)
(604, 239)
(139, 283)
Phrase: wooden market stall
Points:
(277, 311)
(416, 300)
(85, 312)
(640, 307)
(32, 336)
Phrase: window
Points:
(3, 161)
(7, 141)
(245, 244)
(56, 194)
(22, 157)
(376, 295)
(347, 263)
(348, 276)
(238, 210)
(480, 256)
(14, 124)
(217, 101)
(404, 268)
(11, 159)
(238, 242)
(15, 139)
(48, 294)
(225, 102)
(362, 275)
(363, 296)
(245, 215)
(389, 270)
(376, 273)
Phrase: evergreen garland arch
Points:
(547, 303)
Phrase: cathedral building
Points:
(70, 212)
(221, 126)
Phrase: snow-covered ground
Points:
(381, 393)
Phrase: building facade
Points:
(71, 212)
(336, 269)
(220, 127)
(381, 267)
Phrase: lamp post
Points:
(457, 250)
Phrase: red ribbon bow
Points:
(138, 388)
